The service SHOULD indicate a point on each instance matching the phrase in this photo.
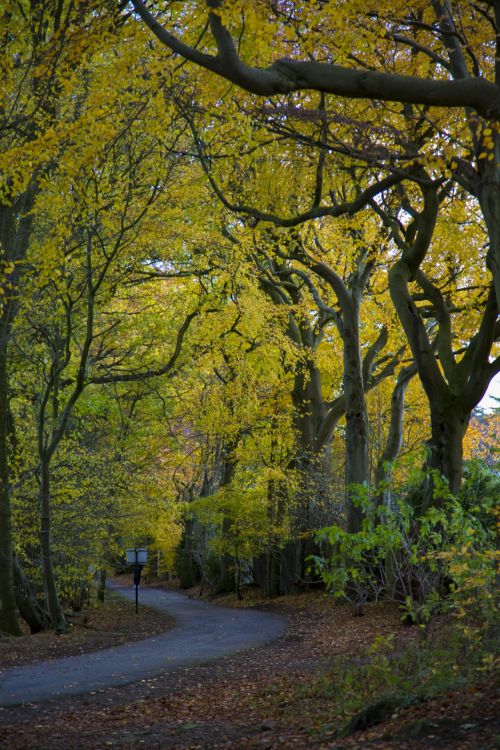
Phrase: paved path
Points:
(202, 632)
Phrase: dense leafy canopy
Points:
(245, 299)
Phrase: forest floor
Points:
(285, 694)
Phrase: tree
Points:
(83, 243)
(303, 280)
(454, 378)
(428, 40)
(439, 34)
(39, 45)
(243, 397)
(383, 471)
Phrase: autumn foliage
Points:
(249, 284)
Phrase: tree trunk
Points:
(357, 475)
(449, 417)
(186, 567)
(29, 607)
(394, 440)
(15, 230)
(311, 510)
(101, 585)
(8, 612)
(226, 582)
(449, 422)
(357, 456)
(312, 507)
(489, 199)
(273, 557)
(58, 621)
(277, 497)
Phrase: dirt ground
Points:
(264, 698)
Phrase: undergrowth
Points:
(421, 669)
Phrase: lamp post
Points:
(137, 557)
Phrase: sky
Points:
(493, 390)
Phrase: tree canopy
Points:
(249, 286)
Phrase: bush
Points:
(444, 559)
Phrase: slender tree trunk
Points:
(302, 513)
(357, 474)
(185, 563)
(383, 471)
(394, 437)
(9, 248)
(101, 585)
(226, 580)
(277, 497)
(273, 557)
(227, 563)
(237, 577)
(8, 613)
(357, 456)
(56, 613)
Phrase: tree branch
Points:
(445, 338)
(129, 377)
(285, 75)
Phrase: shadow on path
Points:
(202, 632)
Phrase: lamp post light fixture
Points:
(137, 557)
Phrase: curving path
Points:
(203, 632)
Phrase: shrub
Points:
(443, 559)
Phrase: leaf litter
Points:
(267, 697)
